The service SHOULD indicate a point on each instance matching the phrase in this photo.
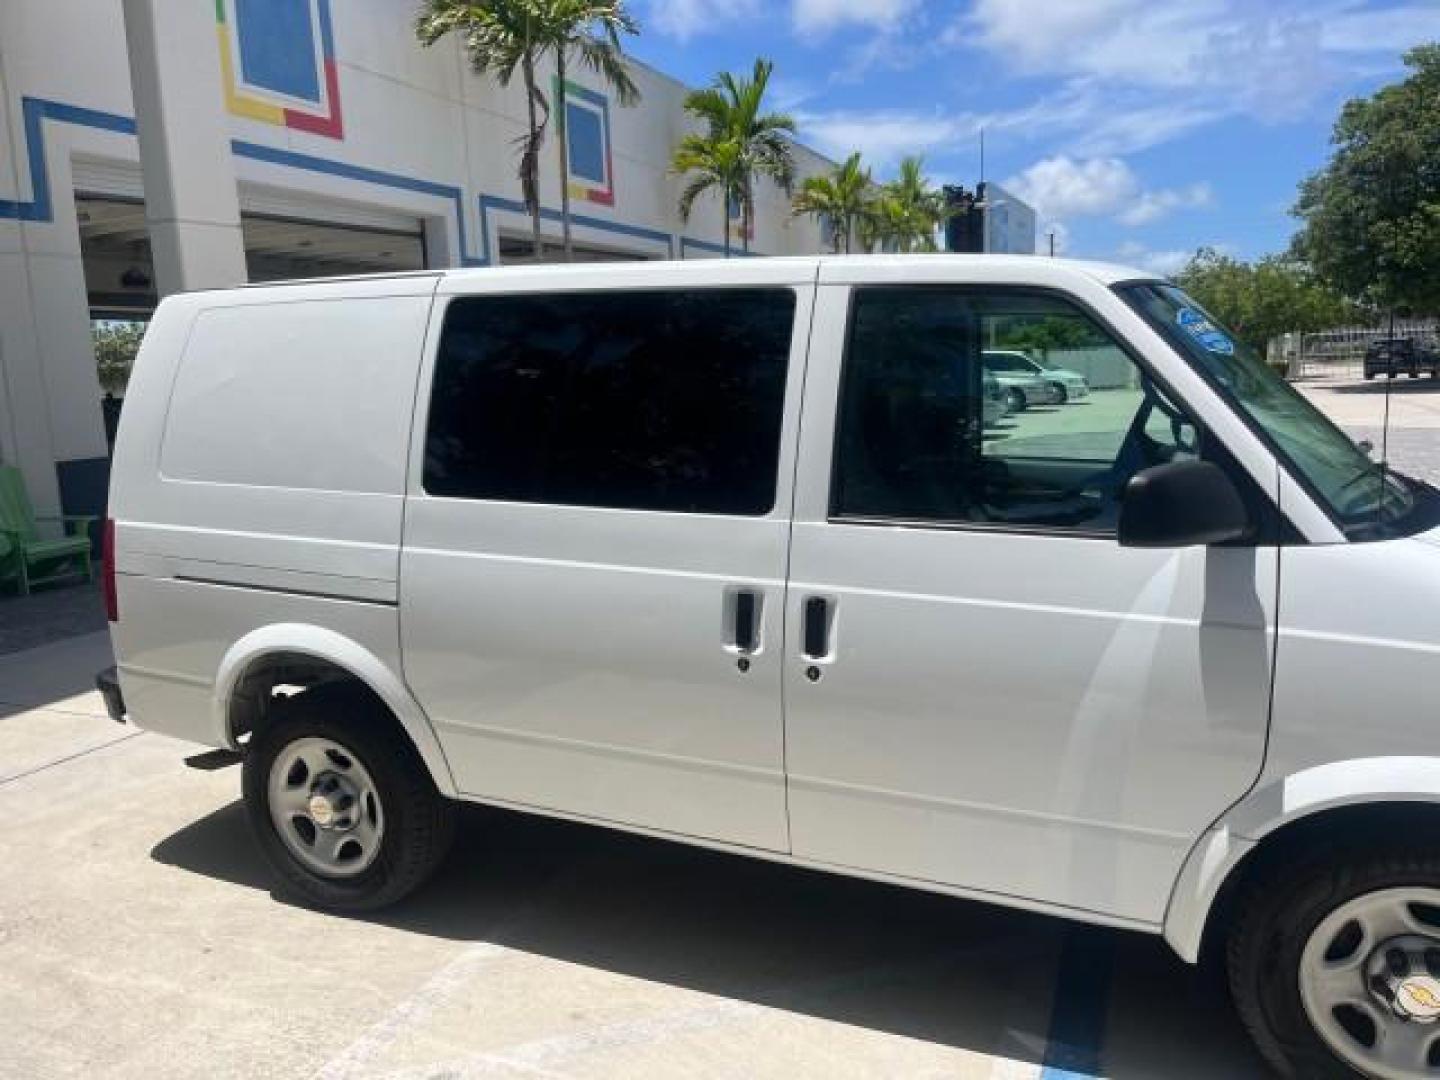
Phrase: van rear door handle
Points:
(816, 633)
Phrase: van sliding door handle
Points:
(816, 645)
(747, 622)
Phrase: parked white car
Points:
(1069, 385)
(718, 551)
(1021, 389)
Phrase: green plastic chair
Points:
(24, 553)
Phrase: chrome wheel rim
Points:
(1370, 982)
(325, 807)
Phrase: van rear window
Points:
(658, 400)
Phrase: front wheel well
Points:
(1315, 836)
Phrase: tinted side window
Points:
(664, 400)
(924, 435)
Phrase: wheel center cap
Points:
(1418, 998)
(322, 812)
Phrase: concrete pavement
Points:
(139, 938)
(1360, 407)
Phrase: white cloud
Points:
(1151, 206)
(1135, 74)
(1164, 263)
(1229, 47)
(1061, 187)
(1103, 124)
(684, 19)
(1394, 30)
(819, 16)
(884, 136)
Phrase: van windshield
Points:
(1359, 493)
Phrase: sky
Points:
(1139, 129)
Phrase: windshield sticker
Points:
(1210, 336)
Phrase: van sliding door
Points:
(595, 546)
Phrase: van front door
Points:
(595, 541)
(983, 688)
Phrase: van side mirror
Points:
(1182, 504)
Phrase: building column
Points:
(192, 208)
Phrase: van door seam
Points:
(789, 555)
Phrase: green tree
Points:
(741, 143)
(844, 197)
(709, 164)
(587, 32)
(1041, 335)
(500, 38)
(116, 344)
(1261, 300)
(503, 37)
(907, 210)
(1372, 215)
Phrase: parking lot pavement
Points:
(139, 937)
(1413, 446)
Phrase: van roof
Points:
(800, 265)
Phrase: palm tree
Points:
(886, 222)
(709, 164)
(845, 196)
(911, 210)
(740, 143)
(587, 31)
(502, 37)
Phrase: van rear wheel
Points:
(341, 804)
(1335, 966)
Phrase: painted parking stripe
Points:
(1082, 1001)
(435, 993)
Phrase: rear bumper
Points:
(108, 683)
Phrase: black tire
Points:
(1015, 398)
(419, 821)
(1061, 392)
(1274, 918)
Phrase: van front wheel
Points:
(1335, 967)
(340, 803)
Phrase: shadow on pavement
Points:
(57, 675)
(48, 615)
(918, 965)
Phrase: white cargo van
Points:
(725, 552)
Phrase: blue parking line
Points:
(1081, 1004)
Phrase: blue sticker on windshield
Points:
(1204, 331)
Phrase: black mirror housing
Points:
(1182, 504)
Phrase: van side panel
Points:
(259, 479)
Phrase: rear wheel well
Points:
(277, 676)
(1327, 833)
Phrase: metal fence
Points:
(1340, 353)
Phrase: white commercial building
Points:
(283, 138)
